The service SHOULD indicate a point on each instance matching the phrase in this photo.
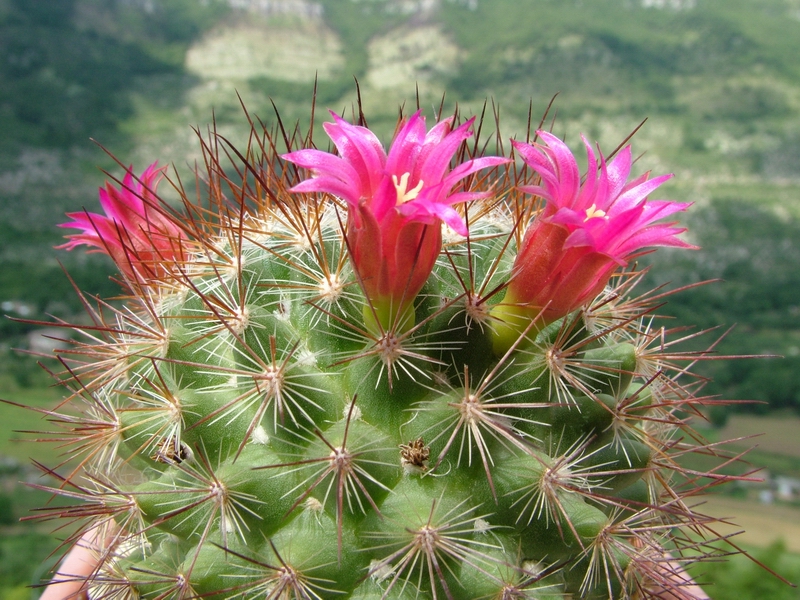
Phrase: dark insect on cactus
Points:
(359, 374)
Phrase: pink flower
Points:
(396, 202)
(586, 231)
(138, 235)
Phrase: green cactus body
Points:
(263, 430)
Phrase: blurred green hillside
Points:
(718, 81)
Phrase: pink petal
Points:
(535, 190)
(658, 235)
(328, 185)
(330, 167)
(359, 147)
(566, 167)
(534, 158)
(590, 189)
(618, 171)
(429, 212)
(406, 146)
(640, 192)
(437, 161)
(452, 219)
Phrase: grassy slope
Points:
(14, 420)
(753, 523)
(776, 434)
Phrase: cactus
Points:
(353, 374)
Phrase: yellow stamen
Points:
(593, 212)
(403, 194)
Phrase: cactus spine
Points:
(332, 377)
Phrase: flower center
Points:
(594, 212)
(403, 193)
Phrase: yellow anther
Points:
(593, 212)
(403, 194)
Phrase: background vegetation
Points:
(717, 79)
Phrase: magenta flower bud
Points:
(397, 203)
(135, 231)
(583, 235)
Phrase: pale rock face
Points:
(408, 55)
(294, 52)
(301, 8)
(670, 4)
